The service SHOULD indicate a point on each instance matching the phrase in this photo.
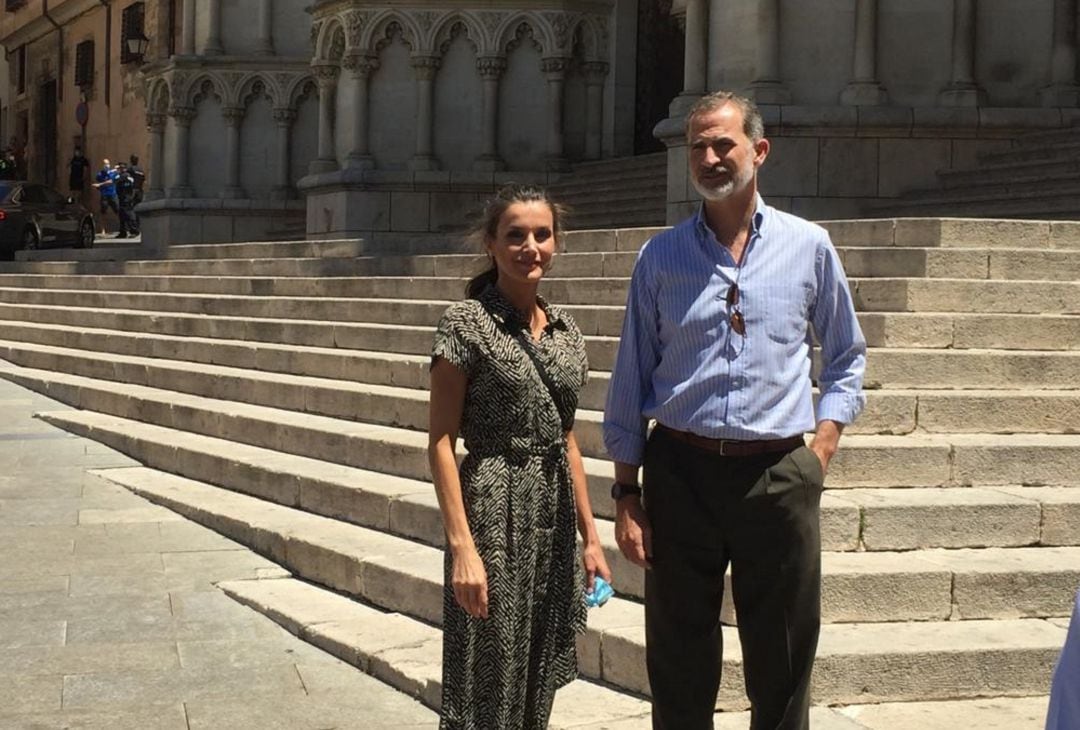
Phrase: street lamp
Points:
(137, 45)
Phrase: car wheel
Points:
(30, 239)
(86, 235)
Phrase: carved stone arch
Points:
(301, 89)
(448, 27)
(206, 85)
(256, 85)
(158, 95)
(591, 33)
(512, 33)
(330, 45)
(388, 23)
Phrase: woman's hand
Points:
(470, 582)
(592, 555)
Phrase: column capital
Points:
(182, 114)
(326, 74)
(595, 71)
(491, 67)
(426, 66)
(285, 117)
(233, 115)
(555, 67)
(360, 65)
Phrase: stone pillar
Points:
(283, 185)
(595, 73)
(234, 118)
(213, 40)
(491, 69)
(864, 89)
(360, 68)
(555, 73)
(767, 88)
(155, 187)
(264, 43)
(696, 58)
(187, 29)
(962, 89)
(326, 76)
(426, 67)
(179, 187)
(1063, 89)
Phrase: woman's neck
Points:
(522, 297)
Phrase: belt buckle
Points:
(723, 443)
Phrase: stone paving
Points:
(110, 618)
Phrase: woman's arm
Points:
(448, 384)
(592, 552)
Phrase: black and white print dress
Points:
(501, 673)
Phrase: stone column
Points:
(555, 73)
(283, 185)
(187, 29)
(426, 67)
(213, 39)
(360, 68)
(864, 89)
(491, 69)
(234, 118)
(155, 187)
(326, 76)
(962, 89)
(179, 186)
(595, 73)
(767, 88)
(1063, 89)
(695, 59)
(264, 43)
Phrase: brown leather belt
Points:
(729, 447)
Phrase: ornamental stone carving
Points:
(284, 117)
(356, 21)
(360, 65)
(491, 67)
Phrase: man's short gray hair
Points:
(753, 124)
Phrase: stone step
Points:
(102, 251)
(1065, 150)
(853, 519)
(1008, 172)
(330, 248)
(966, 295)
(322, 349)
(1043, 206)
(972, 263)
(920, 460)
(1003, 185)
(887, 411)
(856, 662)
(407, 654)
(908, 232)
(1050, 137)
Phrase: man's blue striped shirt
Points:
(680, 363)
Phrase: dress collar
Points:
(504, 312)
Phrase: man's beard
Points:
(737, 181)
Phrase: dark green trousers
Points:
(761, 514)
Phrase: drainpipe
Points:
(59, 50)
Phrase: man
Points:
(139, 176)
(107, 190)
(125, 195)
(77, 174)
(715, 347)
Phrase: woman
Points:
(506, 371)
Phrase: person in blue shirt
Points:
(1063, 712)
(715, 348)
(106, 187)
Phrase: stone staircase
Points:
(1039, 177)
(275, 392)
(621, 192)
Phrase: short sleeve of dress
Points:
(451, 338)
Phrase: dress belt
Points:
(730, 447)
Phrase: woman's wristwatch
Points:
(620, 490)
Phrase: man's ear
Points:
(761, 151)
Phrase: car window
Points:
(33, 194)
(52, 197)
(5, 191)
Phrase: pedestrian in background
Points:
(78, 168)
(125, 196)
(107, 190)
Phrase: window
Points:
(84, 64)
(131, 26)
(33, 194)
(13, 5)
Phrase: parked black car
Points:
(36, 216)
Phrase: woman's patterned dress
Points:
(501, 673)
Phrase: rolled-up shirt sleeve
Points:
(843, 347)
(631, 381)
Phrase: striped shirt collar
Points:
(757, 220)
(503, 312)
